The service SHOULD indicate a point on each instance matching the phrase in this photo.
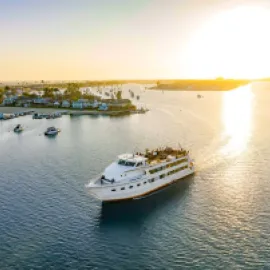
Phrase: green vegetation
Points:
(90, 97)
(72, 92)
(25, 95)
(9, 90)
(50, 92)
(119, 95)
(1, 95)
(28, 95)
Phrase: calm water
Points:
(217, 219)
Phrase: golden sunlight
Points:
(237, 118)
(234, 44)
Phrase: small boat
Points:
(37, 116)
(51, 131)
(18, 128)
(57, 115)
(142, 110)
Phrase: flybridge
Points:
(131, 160)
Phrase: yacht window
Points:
(162, 176)
(114, 189)
(176, 163)
(138, 184)
(145, 182)
(151, 180)
(157, 169)
(130, 186)
(122, 188)
(177, 170)
(121, 162)
(130, 163)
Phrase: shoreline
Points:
(200, 85)
(71, 112)
(191, 90)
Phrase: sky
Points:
(133, 39)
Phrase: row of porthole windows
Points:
(153, 179)
(123, 188)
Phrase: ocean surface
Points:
(217, 219)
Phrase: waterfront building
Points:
(65, 104)
(56, 103)
(77, 105)
(42, 101)
(103, 107)
(10, 100)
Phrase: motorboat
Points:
(18, 128)
(51, 131)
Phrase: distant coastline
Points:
(200, 85)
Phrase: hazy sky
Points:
(119, 39)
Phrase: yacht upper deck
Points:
(162, 154)
(131, 160)
(133, 166)
(151, 157)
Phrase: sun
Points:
(234, 44)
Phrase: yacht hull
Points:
(139, 189)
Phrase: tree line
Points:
(72, 92)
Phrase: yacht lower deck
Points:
(136, 176)
(139, 188)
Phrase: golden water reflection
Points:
(237, 119)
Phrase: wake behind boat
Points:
(134, 176)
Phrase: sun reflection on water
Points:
(237, 119)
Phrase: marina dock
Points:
(7, 113)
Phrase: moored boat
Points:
(18, 128)
(37, 116)
(51, 131)
(133, 176)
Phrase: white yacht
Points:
(51, 131)
(134, 176)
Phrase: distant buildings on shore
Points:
(102, 104)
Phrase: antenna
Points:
(134, 151)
